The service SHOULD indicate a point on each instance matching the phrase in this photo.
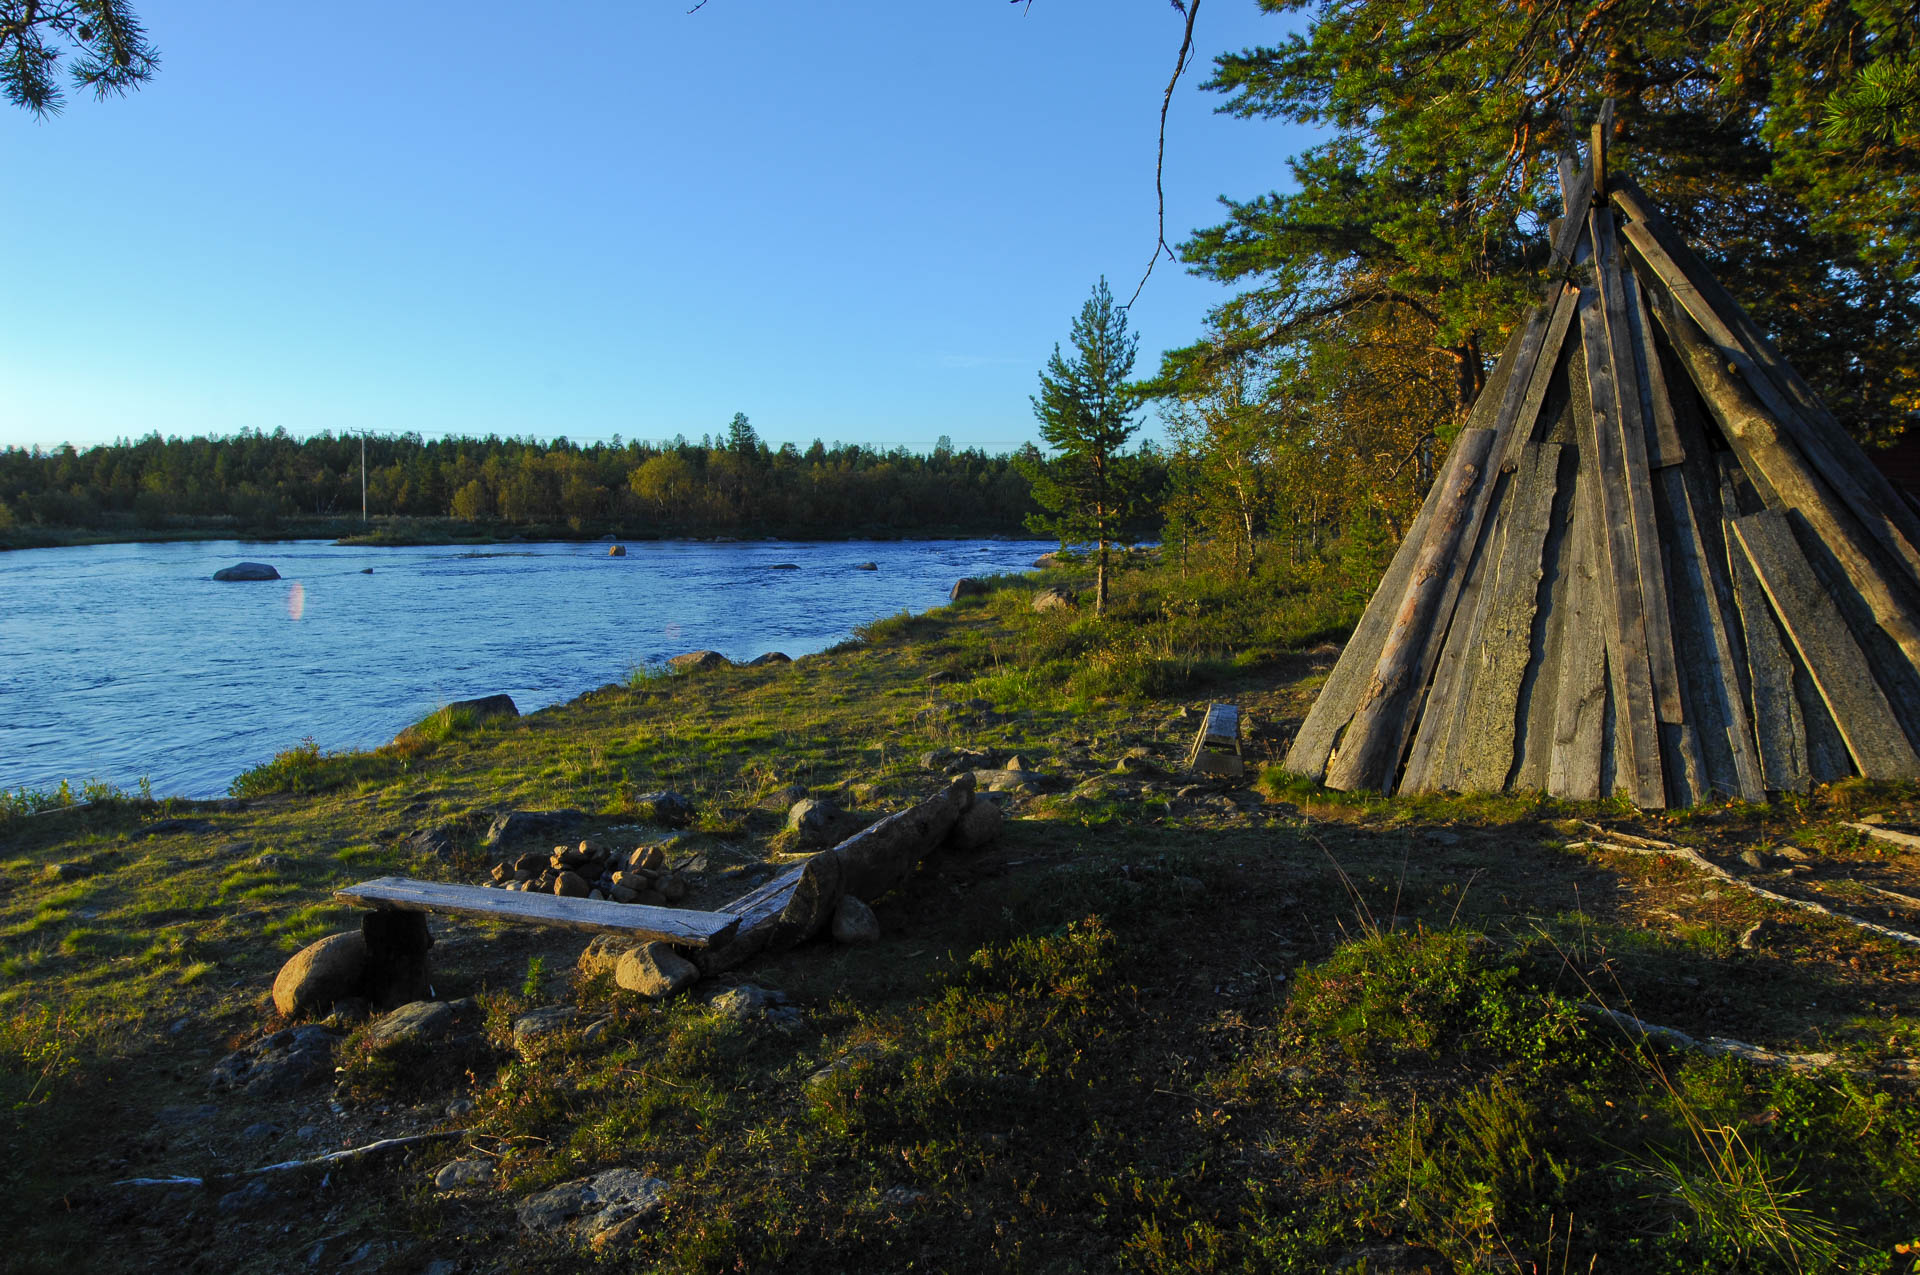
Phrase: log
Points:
(1483, 752)
(1580, 705)
(1779, 729)
(1754, 1054)
(1756, 438)
(1905, 840)
(1370, 752)
(1827, 648)
(329, 1160)
(1865, 488)
(799, 903)
(1627, 661)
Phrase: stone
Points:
(665, 807)
(854, 1057)
(819, 822)
(433, 843)
(784, 566)
(459, 1107)
(1013, 781)
(902, 1197)
(1754, 859)
(699, 662)
(1793, 854)
(413, 1024)
(321, 973)
(1046, 561)
(544, 1021)
(648, 858)
(602, 953)
(262, 1131)
(571, 885)
(866, 566)
(654, 970)
(978, 825)
(606, 1199)
(674, 887)
(249, 1197)
(854, 922)
(616, 551)
(967, 587)
(247, 571)
(1760, 934)
(349, 1012)
(458, 1173)
(771, 657)
(520, 825)
(1053, 600)
(283, 1063)
(1137, 761)
(483, 709)
(748, 1000)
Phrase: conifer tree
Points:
(1085, 408)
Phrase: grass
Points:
(1151, 1029)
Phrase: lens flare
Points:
(296, 601)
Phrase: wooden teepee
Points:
(1653, 564)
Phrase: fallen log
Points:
(1905, 840)
(1754, 1054)
(323, 1161)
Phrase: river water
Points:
(124, 661)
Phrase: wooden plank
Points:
(1580, 701)
(1483, 754)
(1757, 440)
(1222, 725)
(1639, 761)
(1664, 447)
(1827, 649)
(1815, 427)
(1709, 666)
(1427, 759)
(1779, 731)
(1539, 691)
(1656, 613)
(681, 927)
(1370, 752)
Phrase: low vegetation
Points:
(1158, 1026)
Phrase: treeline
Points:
(272, 483)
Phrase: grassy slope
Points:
(1218, 1031)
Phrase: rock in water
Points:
(320, 974)
(866, 566)
(616, 551)
(854, 922)
(654, 970)
(247, 571)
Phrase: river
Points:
(119, 662)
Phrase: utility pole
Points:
(363, 476)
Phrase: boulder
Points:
(458, 1173)
(784, 566)
(606, 1199)
(665, 807)
(485, 708)
(1016, 781)
(748, 1000)
(655, 971)
(616, 551)
(820, 822)
(602, 953)
(967, 587)
(978, 826)
(279, 1064)
(320, 974)
(520, 825)
(247, 571)
(699, 661)
(1046, 561)
(1053, 600)
(854, 922)
(571, 885)
(413, 1024)
(771, 657)
(545, 1021)
(866, 566)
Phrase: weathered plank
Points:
(681, 927)
(1708, 666)
(1370, 752)
(1812, 425)
(1757, 440)
(1779, 731)
(1639, 763)
(1664, 447)
(1482, 756)
(1827, 648)
(1540, 689)
(1580, 701)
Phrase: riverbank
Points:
(1159, 1024)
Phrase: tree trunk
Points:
(1100, 580)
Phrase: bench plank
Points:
(679, 926)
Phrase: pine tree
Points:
(1085, 408)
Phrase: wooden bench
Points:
(679, 926)
(1216, 749)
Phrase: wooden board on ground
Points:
(1827, 648)
(679, 926)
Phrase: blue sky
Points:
(862, 221)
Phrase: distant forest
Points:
(274, 484)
